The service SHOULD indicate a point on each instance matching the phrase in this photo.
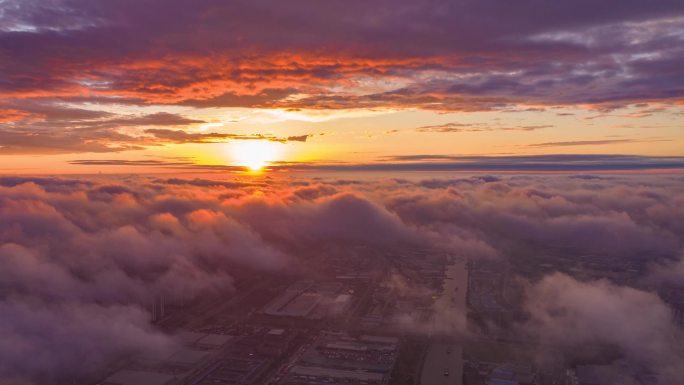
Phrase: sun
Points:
(255, 154)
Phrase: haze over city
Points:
(463, 192)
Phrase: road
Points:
(443, 364)
(444, 360)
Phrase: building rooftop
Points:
(136, 377)
(302, 305)
(315, 371)
(187, 357)
(214, 340)
(189, 338)
(499, 381)
(605, 375)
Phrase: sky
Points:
(151, 147)
(186, 86)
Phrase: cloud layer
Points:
(82, 258)
(578, 314)
(477, 54)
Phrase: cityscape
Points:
(341, 192)
(204, 301)
(351, 329)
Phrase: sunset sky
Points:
(119, 86)
(503, 179)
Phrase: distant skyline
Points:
(334, 82)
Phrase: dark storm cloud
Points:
(479, 54)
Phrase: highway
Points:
(443, 363)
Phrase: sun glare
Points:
(255, 154)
